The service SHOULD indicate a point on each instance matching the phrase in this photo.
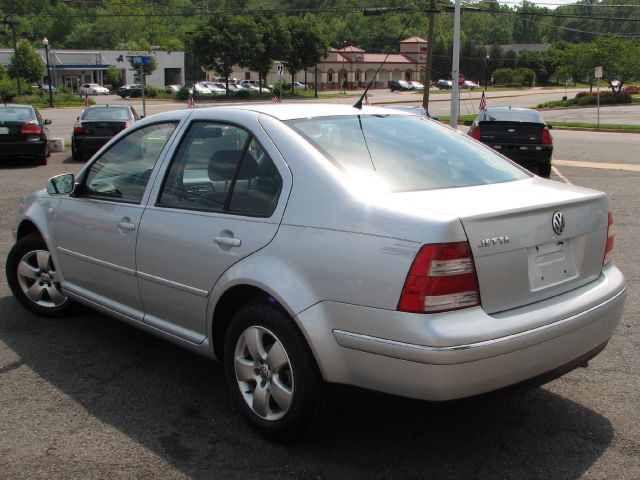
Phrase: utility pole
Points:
(13, 24)
(427, 73)
(455, 90)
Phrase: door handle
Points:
(227, 241)
(126, 226)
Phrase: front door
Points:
(217, 205)
(97, 225)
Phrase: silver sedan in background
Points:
(302, 245)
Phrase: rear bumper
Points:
(432, 357)
(90, 145)
(525, 155)
(23, 148)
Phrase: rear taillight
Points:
(547, 139)
(475, 131)
(77, 128)
(441, 278)
(608, 249)
(30, 129)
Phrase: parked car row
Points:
(404, 85)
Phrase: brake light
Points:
(608, 249)
(547, 139)
(442, 277)
(77, 128)
(30, 129)
(475, 131)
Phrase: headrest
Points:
(210, 132)
(223, 165)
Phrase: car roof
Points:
(93, 107)
(289, 111)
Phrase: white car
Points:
(92, 89)
(201, 89)
(306, 244)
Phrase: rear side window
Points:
(394, 153)
(221, 168)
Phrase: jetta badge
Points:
(557, 222)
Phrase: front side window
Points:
(403, 153)
(122, 172)
(221, 168)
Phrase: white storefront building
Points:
(75, 67)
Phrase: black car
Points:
(131, 90)
(518, 133)
(23, 133)
(97, 125)
(444, 84)
(400, 85)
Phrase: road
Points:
(89, 397)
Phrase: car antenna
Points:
(377, 11)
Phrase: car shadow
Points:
(174, 404)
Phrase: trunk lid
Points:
(102, 128)
(518, 256)
(511, 132)
(10, 131)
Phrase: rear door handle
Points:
(227, 241)
(126, 226)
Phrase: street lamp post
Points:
(45, 42)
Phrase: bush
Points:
(183, 93)
(502, 76)
(523, 76)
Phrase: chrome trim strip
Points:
(95, 261)
(394, 348)
(176, 285)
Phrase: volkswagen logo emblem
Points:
(557, 222)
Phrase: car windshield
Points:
(16, 114)
(511, 116)
(397, 153)
(107, 114)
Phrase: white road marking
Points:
(562, 177)
(630, 167)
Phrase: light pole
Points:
(45, 42)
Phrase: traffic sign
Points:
(460, 80)
(598, 72)
(280, 68)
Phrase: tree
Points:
(307, 46)
(222, 41)
(31, 64)
(114, 76)
(150, 65)
(275, 40)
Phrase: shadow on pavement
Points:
(173, 403)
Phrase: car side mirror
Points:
(468, 123)
(61, 184)
(47, 121)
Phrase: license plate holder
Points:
(551, 264)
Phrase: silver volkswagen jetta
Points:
(306, 244)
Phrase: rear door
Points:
(221, 200)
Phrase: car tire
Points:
(75, 155)
(272, 376)
(33, 278)
(544, 170)
(41, 159)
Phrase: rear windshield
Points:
(511, 116)
(107, 114)
(16, 114)
(404, 153)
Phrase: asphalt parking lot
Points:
(89, 397)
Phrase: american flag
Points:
(366, 100)
(483, 102)
(191, 102)
(275, 98)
